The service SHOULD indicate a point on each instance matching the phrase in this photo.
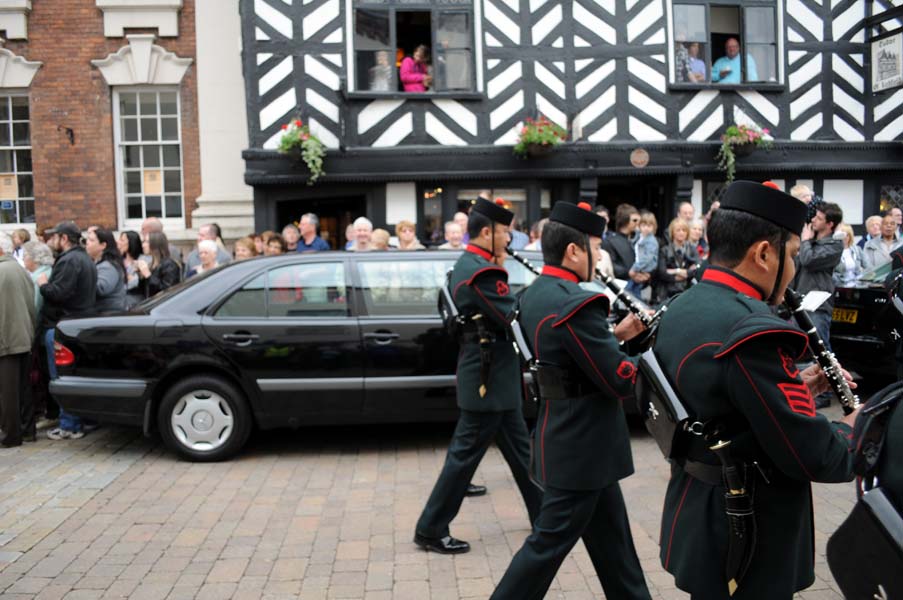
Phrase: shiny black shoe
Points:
(446, 545)
(475, 490)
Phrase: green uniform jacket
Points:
(728, 356)
(480, 286)
(580, 442)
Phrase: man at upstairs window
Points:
(415, 76)
(727, 68)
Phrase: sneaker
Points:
(45, 423)
(64, 434)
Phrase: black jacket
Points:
(167, 274)
(581, 441)
(666, 285)
(621, 251)
(71, 289)
(481, 286)
(729, 357)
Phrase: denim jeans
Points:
(67, 421)
(822, 322)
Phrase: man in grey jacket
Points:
(17, 319)
(820, 251)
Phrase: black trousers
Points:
(600, 518)
(473, 434)
(14, 396)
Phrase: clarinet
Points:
(824, 357)
(522, 260)
(648, 321)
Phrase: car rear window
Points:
(300, 290)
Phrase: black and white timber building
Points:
(615, 73)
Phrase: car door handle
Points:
(241, 339)
(381, 337)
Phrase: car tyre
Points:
(204, 419)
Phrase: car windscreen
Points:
(160, 297)
(876, 274)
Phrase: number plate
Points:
(845, 315)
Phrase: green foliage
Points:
(739, 135)
(297, 139)
(539, 132)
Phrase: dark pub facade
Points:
(645, 88)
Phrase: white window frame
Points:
(351, 63)
(20, 93)
(779, 38)
(125, 223)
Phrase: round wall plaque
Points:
(639, 158)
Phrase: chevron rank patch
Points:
(798, 398)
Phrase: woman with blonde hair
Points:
(677, 261)
(407, 236)
(379, 239)
(850, 266)
(245, 247)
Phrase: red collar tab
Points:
(560, 273)
(479, 251)
(733, 281)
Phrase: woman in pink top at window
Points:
(414, 74)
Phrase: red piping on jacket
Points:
(733, 282)
(775, 421)
(561, 321)
(593, 364)
(680, 506)
(536, 334)
(681, 365)
(766, 332)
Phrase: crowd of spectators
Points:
(64, 272)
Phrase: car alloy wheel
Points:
(204, 418)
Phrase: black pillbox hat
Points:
(493, 211)
(580, 217)
(766, 201)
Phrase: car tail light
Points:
(62, 355)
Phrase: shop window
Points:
(725, 43)
(433, 232)
(16, 183)
(413, 47)
(891, 196)
(149, 147)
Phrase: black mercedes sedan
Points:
(287, 341)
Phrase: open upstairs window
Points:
(725, 43)
(413, 47)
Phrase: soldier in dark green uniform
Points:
(733, 363)
(581, 447)
(489, 381)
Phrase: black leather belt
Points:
(555, 383)
(704, 472)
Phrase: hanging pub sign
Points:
(887, 63)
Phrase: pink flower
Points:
(305, 137)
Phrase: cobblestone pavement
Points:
(326, 513)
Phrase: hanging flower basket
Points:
(298, 142)
(738, 141)
(538, 137)
(539, 150)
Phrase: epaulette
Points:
(759, 324)
(578, 302)
(485, 270)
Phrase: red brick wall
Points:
(79, 181)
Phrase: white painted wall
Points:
(849, 195)
(401, 202)
(222, 121)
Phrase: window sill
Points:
(759, 86)
(424, 96)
